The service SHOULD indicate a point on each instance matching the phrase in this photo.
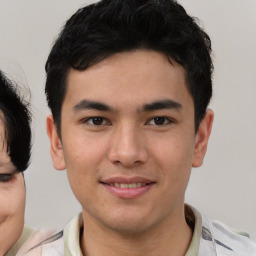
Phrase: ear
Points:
(202, 137)
(56, 148)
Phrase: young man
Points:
(128, 84)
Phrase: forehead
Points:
(129, 77)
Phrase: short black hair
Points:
(100, 30)
(16, 119)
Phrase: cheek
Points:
(4, 205)
(83, 159)
(174, 157)
(174, 150)
(12, 207)
(83, 150)
(12, 200)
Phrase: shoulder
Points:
(227, 241)
(215, 238)
(43, 242)
(26, 233)
(49, 243)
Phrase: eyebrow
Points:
(161, 104)
(88, 104)
(156, 105)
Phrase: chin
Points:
(130, 224)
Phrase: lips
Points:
(129, 185)
(127, 188)
(126, 180)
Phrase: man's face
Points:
(128, 140)
(12, 198)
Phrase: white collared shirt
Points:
(209, 238)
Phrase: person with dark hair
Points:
(128, 84)
(15, 148)
(15, 145)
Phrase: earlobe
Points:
(56, 148)
(202, 138)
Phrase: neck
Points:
(170, 237)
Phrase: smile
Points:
(124, 185)
(127, 188)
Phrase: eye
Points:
(5, 177)
(96, 121)
(160, 120)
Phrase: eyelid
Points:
(86, 120)
(168, 119)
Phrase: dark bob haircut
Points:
(16, 119)
(102, 29)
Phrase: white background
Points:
(225, 187)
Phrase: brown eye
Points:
(96, 121)
(159, 120)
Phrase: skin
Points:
(130, 141)
(12, 198)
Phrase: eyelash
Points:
(5, 177)
(90, 120)
(103, 121)
(166, 120)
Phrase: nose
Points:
(127, 147)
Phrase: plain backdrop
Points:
(224, 188)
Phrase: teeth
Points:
(124, 185)
(133, 185)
